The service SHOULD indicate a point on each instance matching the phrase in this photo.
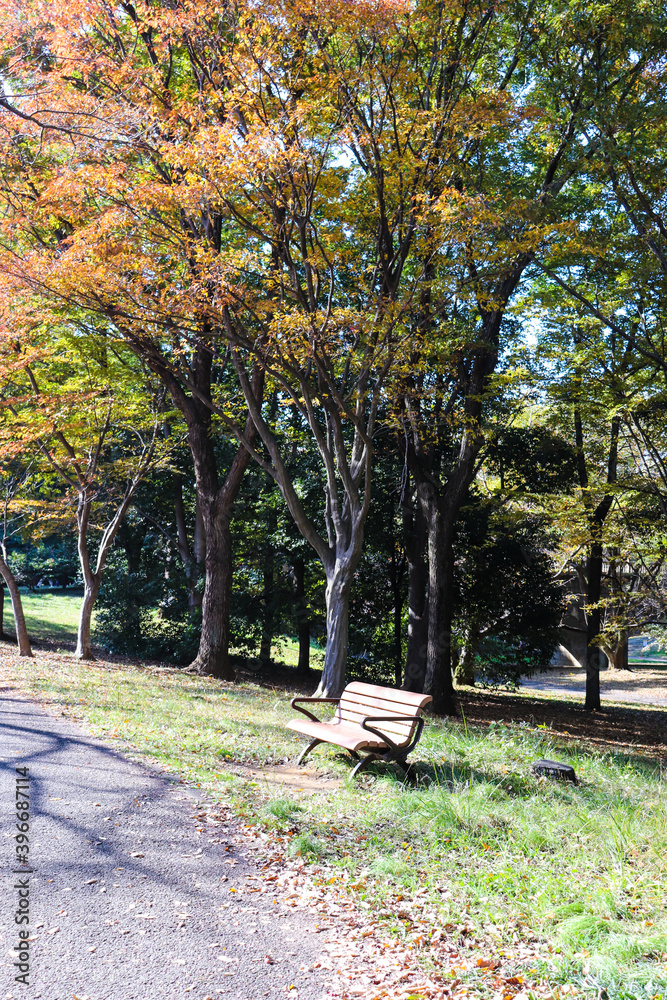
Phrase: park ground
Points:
(474, 878)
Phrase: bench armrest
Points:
(394, 718)
(304, 711)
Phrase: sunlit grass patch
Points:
(49, 614)
(502, 861)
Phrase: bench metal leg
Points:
(362, 764)
(311, 746)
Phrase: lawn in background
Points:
(53, 614)
(478, 846)
(50, 614)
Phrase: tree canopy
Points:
(386, 277)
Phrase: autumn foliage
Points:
(322, 209)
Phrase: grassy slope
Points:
(573, 877)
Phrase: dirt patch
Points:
(287, 776)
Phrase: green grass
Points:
(49, 614)
(286, 651)
(573, 877)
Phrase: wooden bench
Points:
(395, 716)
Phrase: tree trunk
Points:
(90, 592)
(17, 608)
(2, 610)
(395, 571)
(415, 547)
(398, 643)
(593, 619)
(267, 614)
(213, 654)
(190, 564)
(439, 682)
(214, 508)
(465, 668)
(618, 655)
(337, 595)
(301, 614)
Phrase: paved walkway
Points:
(643, 685)
(128, 899)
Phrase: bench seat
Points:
(385, 723)
(342, 734)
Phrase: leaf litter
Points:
(430, 962)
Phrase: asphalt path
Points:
(129, 895)
(624, 689)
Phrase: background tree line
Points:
(341, 322)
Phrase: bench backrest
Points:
(359, 701)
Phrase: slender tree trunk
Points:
(267, 614)
(213, 654)
(617, 655)
(132, 542)
(395, 571)
(398, 642)
(91, 579)
(90, 592)
(465, 668)
(301, 614)
(17, 608)
(415, 547)
(597, 517)
(2, 609)
(268, 574)
(439, 682)
(594, 653)
(187, 559)
(337, 596)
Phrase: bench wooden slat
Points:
(381, 704)
(403, 730)
(411, 699)
(377, 707)
(355, 706)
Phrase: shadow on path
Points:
(132, 895)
